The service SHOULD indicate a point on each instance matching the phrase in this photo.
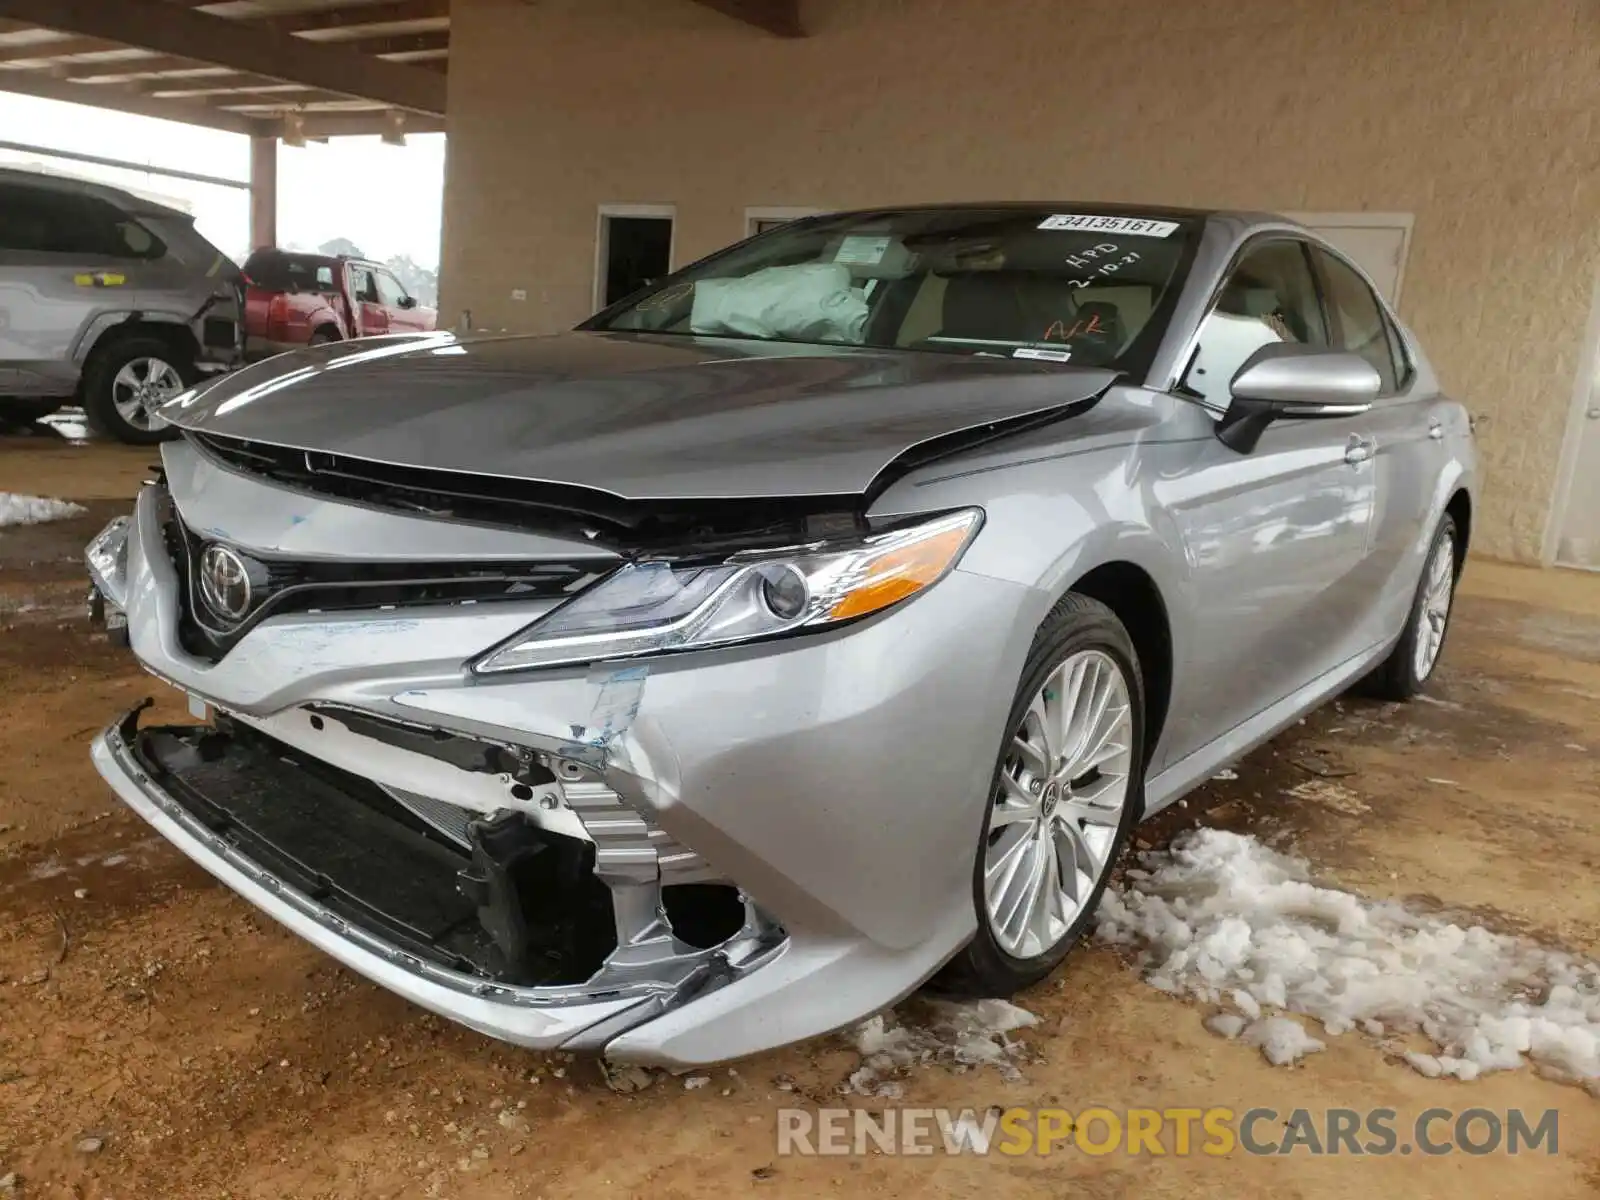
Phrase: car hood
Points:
(639, 416)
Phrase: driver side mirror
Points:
(408, 301)
(1288, 382)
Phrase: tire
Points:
(1078, 632)
(1412, 661)
(321, 338)
(108, 384)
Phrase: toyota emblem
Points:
(225, 583)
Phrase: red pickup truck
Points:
(294, 299)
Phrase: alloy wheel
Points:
(142, 386)
(1433, 613)
(1060, 802)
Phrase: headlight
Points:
(653, 607)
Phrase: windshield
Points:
(1092, 289)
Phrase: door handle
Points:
(1436, 430)
(1359, 449)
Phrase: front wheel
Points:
(127, 381)
(1067, 790)
(1410, 664)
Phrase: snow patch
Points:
(1281, 1040)
(1220, 917)
(963, 1035)
(16, 509)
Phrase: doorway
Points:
(1376, 242)
(634, 248)
(1573, 538)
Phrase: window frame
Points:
(1180, 387)
(1399, 352)
(355, 291)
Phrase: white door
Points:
(1375, 242)
(1578, 518)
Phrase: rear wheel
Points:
(128, 380)
(322, 337)
(1067, 790)
(1410, 664)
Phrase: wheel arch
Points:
(1129, 591)
(1459, 508)
(109, 330)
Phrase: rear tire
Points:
(1412, 661)
(1086, 788)
(126, 379)
(322, 337)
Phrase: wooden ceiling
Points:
(302, 68)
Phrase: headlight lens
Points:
(653, 607)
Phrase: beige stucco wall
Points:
(1478, 116)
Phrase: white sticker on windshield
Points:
(1136, 226)
(1046, 355)
(858, 250)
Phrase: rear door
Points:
(56, 276)
(1275, 539)
(372, 316)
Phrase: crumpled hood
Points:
(639, 416)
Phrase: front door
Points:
(1276, 540)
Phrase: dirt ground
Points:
(213, 1055)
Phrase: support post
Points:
(263, 191)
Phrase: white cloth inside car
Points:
(808, 302)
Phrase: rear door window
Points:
(364, 285)
(45, 221)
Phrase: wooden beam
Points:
(315, 126)
(394, 43)
(780, 17)
(21, 51)
(354, 18)
(170, 29)
(152, 69)
(37, 83)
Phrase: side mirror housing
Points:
(408, 301)
(1285, 381)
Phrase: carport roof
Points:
(311, 68)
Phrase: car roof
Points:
(128, 201)
(1091, 207)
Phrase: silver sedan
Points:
(812, 625)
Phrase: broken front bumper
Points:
(535, 1017)
(837, 782)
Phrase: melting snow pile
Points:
(1223, 918)
(31, 510)
(963, 1035)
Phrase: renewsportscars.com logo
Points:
(1159, 1132)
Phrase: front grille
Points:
(321, 586)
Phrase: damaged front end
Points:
(563, 770)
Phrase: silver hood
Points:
(637, 416)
